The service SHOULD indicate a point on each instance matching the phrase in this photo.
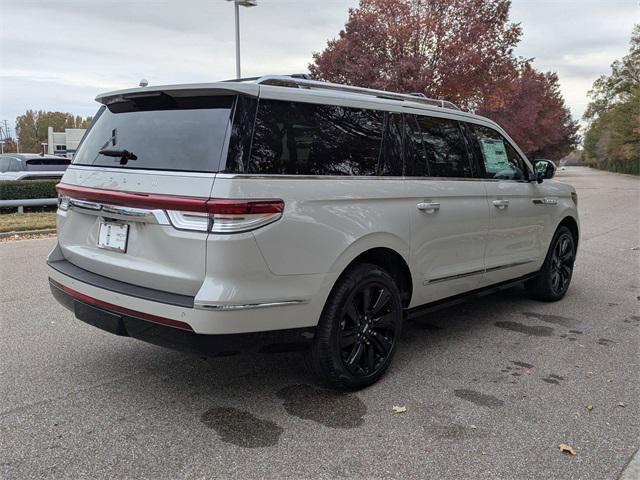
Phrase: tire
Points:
(358, 330)
(555, 276)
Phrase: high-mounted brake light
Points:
(215, 215)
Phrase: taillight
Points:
(228, 216)
(234, 216)
(215, 215)
(63, 202)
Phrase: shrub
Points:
(26, 189)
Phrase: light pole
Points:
(237, 4)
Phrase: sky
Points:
(59, 54)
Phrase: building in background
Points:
(64, 143)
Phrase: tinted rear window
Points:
(308, 139)
(164, 133)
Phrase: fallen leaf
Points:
(622, 404)
(399, 409)
(564, 448)
(589, 407)
(473, 427)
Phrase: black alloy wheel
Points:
(562, 264)
(553, 281)
(360, 325)
(368, 329)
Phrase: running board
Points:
(411, 313)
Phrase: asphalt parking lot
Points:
(491, 387)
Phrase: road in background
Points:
(491, 387)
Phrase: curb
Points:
(22, 233)
(632, 469)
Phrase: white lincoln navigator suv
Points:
(279, 212)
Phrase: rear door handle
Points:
(428, 207)
(501, 204)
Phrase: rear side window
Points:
(309, 139)
(438, 148)
(162, 132)
(500, 159)
(9, 164)
(393, 163)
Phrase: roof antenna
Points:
(144, 82)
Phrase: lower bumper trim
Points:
(118, 309)
(125, 322)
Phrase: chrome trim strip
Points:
(453, 277)
(141, 171)
(509, 265)
(476, 272)
(83, 204)
(119, 212)
(266, 176)
(247, 306)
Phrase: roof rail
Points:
(303, 81)
(304, 76)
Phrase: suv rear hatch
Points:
(132, 206)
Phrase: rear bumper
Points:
(180, 312)
(174, 334)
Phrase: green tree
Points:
(31, 128)
(612, 139)
(620, 85)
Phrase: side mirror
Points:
(543, 169)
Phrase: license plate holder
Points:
(113, 236)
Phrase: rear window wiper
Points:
(124, 155)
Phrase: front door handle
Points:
(428, 207)
(501, 204)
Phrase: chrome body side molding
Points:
(476, 272)
(247, 306)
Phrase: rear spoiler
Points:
(187, 90)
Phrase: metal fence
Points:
(32, 202)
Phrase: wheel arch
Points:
(386, 251)
(572, 225)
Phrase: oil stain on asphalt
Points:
(479, 398)
(553, 379)
(522, 364)
(555, 319)
(326, 407)
(242, 428)
(537, 330)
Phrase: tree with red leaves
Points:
(458, 50)
(535, 115)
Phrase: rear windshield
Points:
(158, 132)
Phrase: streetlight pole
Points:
(236, 5)
(237, 13)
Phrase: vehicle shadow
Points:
(257, 372)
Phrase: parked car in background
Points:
(214, 217)
(32, 166)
